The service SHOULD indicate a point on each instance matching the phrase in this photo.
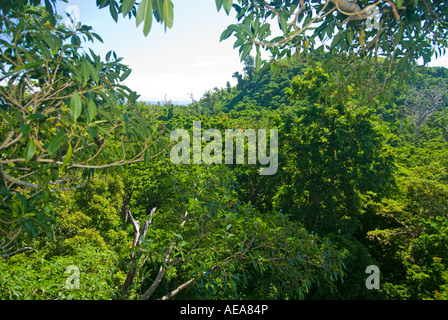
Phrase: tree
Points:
(204, 243)
(342, 28)
(228, 87)
(398, 36)
(239, 78)
(249, 67)
(88, 235)
(421, 103)
(334, 154)
(65, 114)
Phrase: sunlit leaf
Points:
(30, 150)
(67, 157)
(144, 13)
(75, 106)
(127, 6)
(56, 143)
(168, 13)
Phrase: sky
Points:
(189, 58)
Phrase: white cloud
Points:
(187, 58)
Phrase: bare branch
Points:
(179, 289)
(163, 269)
(8, 255)
(19, 182)
(8, 178)
(138, 236)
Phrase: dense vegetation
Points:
(87, 181)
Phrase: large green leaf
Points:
(31, 65)
(67, 157)
(113, 11)
(85, 71)
(93, 72)
(30, 150)
(92, 110)
(127, 6)
(168, 13)
(56, 143)
(225, 34)
(125, 74)
(75, 106)
(144, 13)
(227, 5)
(218, 4)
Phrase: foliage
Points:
(92, 240)
(34, 277)
(362, 176)
(204, 233)
(64, 113)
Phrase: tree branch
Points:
(217, 266)
(179, 289)
(138, 236)
(8, 178)
(16, 252)
(162, 270)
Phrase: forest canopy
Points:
(91, 207)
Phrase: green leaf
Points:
(49, 9)
(56, 143)
(28, 66)
(108, 55)
(227, 5)
(127, 6)
(246, 25)
(144, 13)
(234, 27)
(30, 150)
(103, 3)
(93, 72)
(24, 128)
(47, 41)
(92, 110)
(74, 40)
(85, 71)
(44, 50)
(67, 157)
(218, 4)
(125, 74)
(147, 157)
(36, 116)
(245, 50)
(97, 37)
(336, 40)
(226, 33)
(158, 10)
(113, 11)
(75, 106)
(350, 36)
(283, 23)
(168, 14)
